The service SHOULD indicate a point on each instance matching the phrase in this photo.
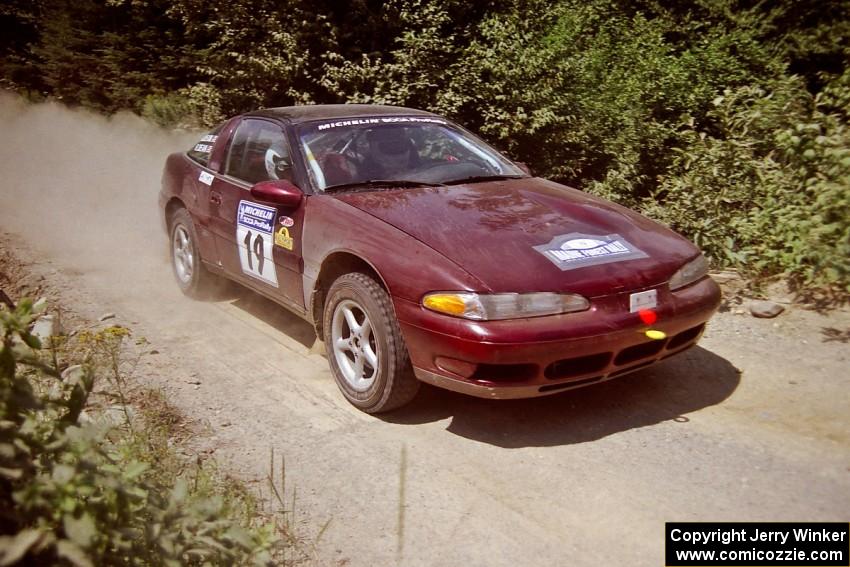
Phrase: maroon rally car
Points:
(420, 253)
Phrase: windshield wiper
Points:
(478, 178)
(381, 184)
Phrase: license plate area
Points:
(643, 300)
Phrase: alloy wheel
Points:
(354, 345)
(184, 257)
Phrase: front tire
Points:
(366, 351)
(192, 276)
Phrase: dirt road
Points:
(751, 425)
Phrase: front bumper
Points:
(546, 355)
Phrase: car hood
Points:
(529, 234)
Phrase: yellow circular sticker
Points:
(656, 335)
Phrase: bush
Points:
(88, 494)
(769, 191)
(174, 110)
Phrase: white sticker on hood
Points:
(574, 250)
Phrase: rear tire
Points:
(192, 276)
(366, 350)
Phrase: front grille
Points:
(597, 365)
(577, 366)
(685, 337)
(636, 352)
(504, 372)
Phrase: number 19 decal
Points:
(256, 249)
(254, 238)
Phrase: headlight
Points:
(689, 273)
(488, 307)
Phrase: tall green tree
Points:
(19, 22)
(107, 56)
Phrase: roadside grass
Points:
(90, 467)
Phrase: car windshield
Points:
(410, 150)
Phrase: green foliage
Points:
(172, 110)
(581, 91)
(19, 22)
(108, 56)
(90, 494)
(772, 195)
(251, 53)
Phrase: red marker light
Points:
(648, 316)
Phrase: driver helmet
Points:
(390, 148)
(277, 161)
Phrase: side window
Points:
(258, 152)
(201, 151)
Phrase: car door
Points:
(259, 244)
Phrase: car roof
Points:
(309, 112)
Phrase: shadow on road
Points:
(268, 312)
(683, 384)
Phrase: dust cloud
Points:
(82, 188)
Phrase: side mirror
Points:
(525, 167)
(278, 192)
